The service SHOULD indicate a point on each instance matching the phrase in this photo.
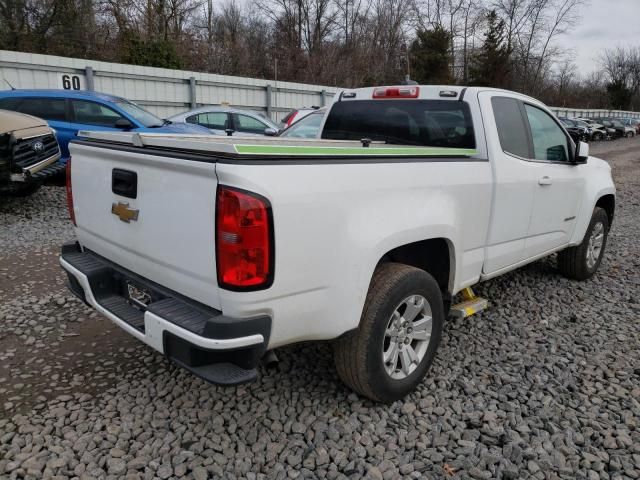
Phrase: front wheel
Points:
(389, 353)
(582, 261)
(597, 136)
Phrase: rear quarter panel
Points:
(334, 222)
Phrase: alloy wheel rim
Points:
(407, 337)
(594, 248)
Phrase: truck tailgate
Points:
(171, 240)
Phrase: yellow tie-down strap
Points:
(470, 305)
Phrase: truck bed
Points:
(268, 147)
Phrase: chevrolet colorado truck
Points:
(215, 251)
(29, 153)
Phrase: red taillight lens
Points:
(396, 92)
(244, 240)
(70, 192)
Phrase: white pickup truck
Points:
(215, 250)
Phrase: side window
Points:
(512, 129)
(213, 120)
(247, 124)
(45, 108)
(91, 113)
(10, 103)
(549, 141)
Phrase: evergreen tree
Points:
(150, 53)
(490, 67)
(430, 57)
(620, 95)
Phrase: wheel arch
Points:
(435, 256)
(608, 204)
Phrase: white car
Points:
(229, 121)
(216, 250)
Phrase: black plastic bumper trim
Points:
(221, 366)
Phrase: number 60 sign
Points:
(71, 82)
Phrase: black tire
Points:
(597, 136)
(629, 134)
(573, 262)
(358, 354)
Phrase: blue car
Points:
(68, 111)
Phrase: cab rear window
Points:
(434, 123)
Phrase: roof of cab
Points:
(59, 93)
(430, 92)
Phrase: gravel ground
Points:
(543, 385)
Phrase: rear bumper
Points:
(220, 349)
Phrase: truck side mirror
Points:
(582, 153)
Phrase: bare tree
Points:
(565, 13)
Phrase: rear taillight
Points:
(244, 240)
(396, 92)
(70, 192)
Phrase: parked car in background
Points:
(29, 153)
(617, 126)
(578, 132)
(629, 131)
(227, 120)
(598, 131)
(308, 127)
(296, 115)
(68, 111)
(631, 122)
(583, 124)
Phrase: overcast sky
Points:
(604, 24)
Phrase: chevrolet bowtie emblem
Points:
(124, 213)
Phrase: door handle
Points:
(545, 180)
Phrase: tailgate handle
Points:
(124, 182)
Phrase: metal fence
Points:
(167, 92)
(593, 113)
(163, 91)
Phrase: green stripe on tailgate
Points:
(371, 151)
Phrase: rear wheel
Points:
(582, 261)
(389, 354)
(597, 136)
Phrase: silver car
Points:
(227, 120)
